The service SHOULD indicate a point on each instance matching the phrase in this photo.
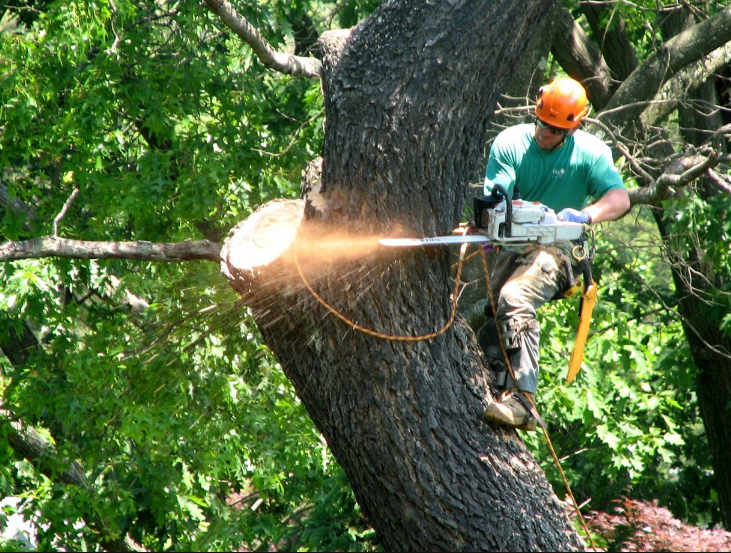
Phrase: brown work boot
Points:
(508, 409)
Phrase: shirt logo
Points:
(558, 173)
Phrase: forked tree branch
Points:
(289, 64)
(679, 174)
(680, 51)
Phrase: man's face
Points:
(549, 137)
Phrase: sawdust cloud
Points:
(274, 235)
(336, 247)
(223, 318)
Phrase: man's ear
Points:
(576, 128)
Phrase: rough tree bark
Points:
(408, 101)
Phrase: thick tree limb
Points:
(682, 50)
(617, 49)
(15, 206)
(720, 182)
(53, 246)
(680, 173)
(26, 441)
(581, 59)
(686, 78)
(289, 64)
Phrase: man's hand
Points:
(573, 216)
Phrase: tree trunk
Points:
(408, 102)
(710, 347)
(694, 283)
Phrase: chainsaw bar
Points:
(435, 240)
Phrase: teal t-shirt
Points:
(569, 176)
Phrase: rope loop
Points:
(370, 332)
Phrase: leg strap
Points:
(511, 333)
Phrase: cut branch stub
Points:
(255, 244)
(270, 252)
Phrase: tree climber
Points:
(555, 163)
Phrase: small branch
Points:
(113, 48)
(294, 137)
(722, 132)
(695, 171)
(624, 151)
(719, 181)
(288, 64)
(63, 211)
(669, 181)
(52, 246)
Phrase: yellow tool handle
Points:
(577, 356)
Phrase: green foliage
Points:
(702, 231)
(172, 419)
(161, 128)
(190, 436)
(352, 11)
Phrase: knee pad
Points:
(512, 332)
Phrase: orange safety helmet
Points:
(562, 103)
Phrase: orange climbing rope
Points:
(532, 403)
(356, 326)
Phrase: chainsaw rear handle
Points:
(498, 194)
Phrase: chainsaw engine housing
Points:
(526, 222)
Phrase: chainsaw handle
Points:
(500, 190)
(497, 194)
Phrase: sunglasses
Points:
(554, 130)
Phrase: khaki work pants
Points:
(525, 282)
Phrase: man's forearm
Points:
(611, 206)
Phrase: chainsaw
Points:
(503, 221)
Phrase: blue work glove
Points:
(572, 216)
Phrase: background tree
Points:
(169, 131)
(678, 83)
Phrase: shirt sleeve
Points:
(604, 176)
(500, 168)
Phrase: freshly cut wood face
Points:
(264, 236)
(273, 233)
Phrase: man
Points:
(572, 172)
